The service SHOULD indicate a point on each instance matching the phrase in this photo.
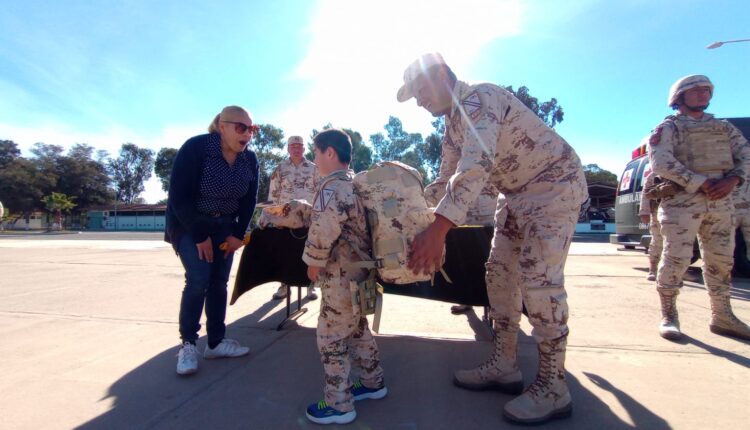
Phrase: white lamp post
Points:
(717, 44)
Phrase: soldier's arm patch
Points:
(655, 136)
(322, 199)
(472, 105)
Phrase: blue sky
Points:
(155, 72)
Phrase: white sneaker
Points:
(187, 359)
(281, 292)
(311, 294)
(228, 348)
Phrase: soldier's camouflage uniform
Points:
(293, 182)
(688, 152)
(480, 212)
(338, 223)
(650, 207)
(741, 199)
(690, 212)
(289, 182)
(492, 137)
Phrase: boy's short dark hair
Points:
(336, 139)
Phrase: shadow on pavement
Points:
(270, 388)
(731, 356)
(641, 417)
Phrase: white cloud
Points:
(358, 51)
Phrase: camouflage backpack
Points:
(393, 195)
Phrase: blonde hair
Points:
(214, 126)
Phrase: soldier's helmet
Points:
(685, 83)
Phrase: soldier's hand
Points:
(206, 250)
(646, 219)
(426, 252)
(313, 273)
(706, 186)
(721, 188)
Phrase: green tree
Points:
(431, 149)
(163, 166)
(595, 174)
(22, 186)
(8, 152)
(400, 145)
(82, 177)
(56, 204)
(268, 145)
(395, 143)
(361, 153)
(550, 112)
(130, 170)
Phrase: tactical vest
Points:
(393, 196)
(704, 146)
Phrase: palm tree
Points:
(57, 203)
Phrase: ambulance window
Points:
(644, 168)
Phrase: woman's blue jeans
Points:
(205, 283)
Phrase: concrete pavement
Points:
(89, 338)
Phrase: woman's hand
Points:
(233, 244)
(206, 250)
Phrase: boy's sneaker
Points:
(321, 413)
(360, 392)
(228, 348)
(187, 359)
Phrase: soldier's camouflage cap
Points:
(295, 140)
(419, 66)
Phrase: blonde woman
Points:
(212, 194)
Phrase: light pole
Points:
(717, 44)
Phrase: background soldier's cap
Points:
(295, 140)
(419, 66)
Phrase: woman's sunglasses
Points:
(241, 127)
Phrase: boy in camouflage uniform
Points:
(704, 159)
(491, 136)
(294, 179)
(741, 199)
(337, 226)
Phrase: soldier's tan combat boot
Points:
(652, 267)
(500, 372)
(669, 328)
(723, 320)
(548, 396)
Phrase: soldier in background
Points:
(648, 214)
(491, 136)
(703, 159)
(741, 199)
(294, 178)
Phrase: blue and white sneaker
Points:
(321, 413)
(360, 392)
